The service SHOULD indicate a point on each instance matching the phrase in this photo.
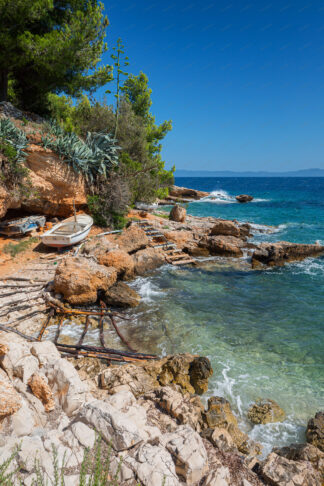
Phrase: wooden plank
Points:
(183, 262)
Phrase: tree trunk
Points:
(3, 85)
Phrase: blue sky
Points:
(242, 81)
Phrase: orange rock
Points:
(120, 260)
(3, 349)
(41, 390)
(80, 278)
(10, 401)
(178, 214)
(132, 239)
(181, 238)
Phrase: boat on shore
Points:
(22, 226)
(69, 232)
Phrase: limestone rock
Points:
(279, 253)
(153, 466)
(221, 439)
(45, 352)
(266, 411)
(184, 408)
(178, 214)
(223, 245)
(66, 385)
(10, 401)
(79, 279)
(120, 260)
(219, 477)
(180, 238)
(3, 349)
(122, 429)
(84, 434)
(128, 377)
(132, 239)
(227, 228)
(147, 260)
(279, 471)
(315, 431)
(188, 452)
(243, 198)
(41, 390)
(303, 452)
(191, 373)
(31, 450)
(177, 191)
(121, 295)
(98, 247)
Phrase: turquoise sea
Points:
(263, 330)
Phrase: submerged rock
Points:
(315, 431)
(279, 253)
(266, 411)
(80, 278)
(243, 198)
(121, 295)
(178, 214)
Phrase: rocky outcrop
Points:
(78, 279)
(132, 239)
(244, 198)
(315, 431)
(184, 192)
(121, 295)
(227, 228)
(277, 254)
(266, 411)
(223, 245)
(121, 261)
(147, 260)
(178, 214)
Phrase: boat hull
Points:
(55, 241)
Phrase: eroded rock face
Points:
(120, 260)
(244, 198)
(178, 214)
(303, 452)
(266, 411)
(177, 191)
(79, 279)
(132, 239)
(128, 377)
(223, 245)
(148, 260)
(280, 471)
(315, 431)
(279, 253)
(41, 390)
(121, 295)
(227, 228)
(10, 401)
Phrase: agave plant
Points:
(14, 136)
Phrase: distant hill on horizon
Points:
(228, 173)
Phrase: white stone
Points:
(25, 368)
(122, 399)
(84, 434)
(23, 421)
(153, 466)
(122, 430)
(31, 480)
(188, 450)
(45, 352)
(66, 385)
(219, 477)
(31, 452)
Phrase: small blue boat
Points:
(22, 225)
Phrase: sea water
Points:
(263, 330)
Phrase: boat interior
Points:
(69, 228)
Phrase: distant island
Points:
(229, 173)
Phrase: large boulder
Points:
(178, 214)
(147, 260)
(185, 192)
(266, 411)
(80, 278)
(315, 431)
(279, 253)
(244, 198)
(228, 246)
(121, 295)
(227, 228)
(120, 260)
(277, 470)
(132, 239)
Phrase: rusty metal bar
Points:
(58, 330)
(41, 332)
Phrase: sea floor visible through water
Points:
(263, 330)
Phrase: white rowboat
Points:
(68, 232)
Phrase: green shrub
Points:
(14, 249)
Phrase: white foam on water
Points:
(146, 289)
(219, 197)
(309, 266)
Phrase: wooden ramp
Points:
(173, 255)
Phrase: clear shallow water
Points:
(262, 330)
